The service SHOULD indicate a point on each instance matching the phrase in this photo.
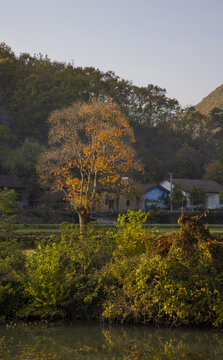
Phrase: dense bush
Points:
(12, 261)
(125, 274)
(182, 286)
(61, 277)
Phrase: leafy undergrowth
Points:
(128, 274)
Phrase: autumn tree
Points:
(89, 151)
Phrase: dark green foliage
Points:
(7, 211)
(21, 163)
(11, 258)
(197, 196)
(36, 86)
(214, 171)
(11, 292)
(177, 198)
(183, 141)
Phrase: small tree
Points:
(197, 196)
(89, 152)
(21, 162)
(177, 197)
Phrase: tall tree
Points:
(89, 151)
(150, 106)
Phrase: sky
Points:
(175, 44)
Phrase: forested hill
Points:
(168, 138)
(33, 86)
(213, 100)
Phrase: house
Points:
(157, 195)
(112, 202)
(12, 183)
(154, 195)
(149, 195)
(212, 189)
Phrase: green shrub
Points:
(123, 274)
(46, 280)
(7, 210)
(11, 264)
(182, 287)
(62, 275)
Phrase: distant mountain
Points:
(214, 99)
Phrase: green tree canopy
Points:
(197, 196)
(177, 197)
(214, 171)
(22, 161)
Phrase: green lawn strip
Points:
(162, 229)
(55, 228)
(33, 231)
(38, 226)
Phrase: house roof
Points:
(10, 182)
(148, 187)
(209, 186)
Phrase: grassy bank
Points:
(55, 228)
(123, 274)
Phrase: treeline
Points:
(168, 138)
(128, 274)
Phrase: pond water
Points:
(90, 341)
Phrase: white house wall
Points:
(212, 201)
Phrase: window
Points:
(127, 202)
(111, 204)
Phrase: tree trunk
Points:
(82, 222)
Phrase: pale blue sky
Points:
(175, 44)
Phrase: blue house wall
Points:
(155, 196)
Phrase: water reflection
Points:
(88, 341)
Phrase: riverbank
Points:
(127, 274)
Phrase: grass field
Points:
(55, 228)
(33, 231)
(212, 230)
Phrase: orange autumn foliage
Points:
(90, 150)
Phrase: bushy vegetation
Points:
(7, 210)
(127, 274)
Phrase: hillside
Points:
(168, 138)
(214, 99)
